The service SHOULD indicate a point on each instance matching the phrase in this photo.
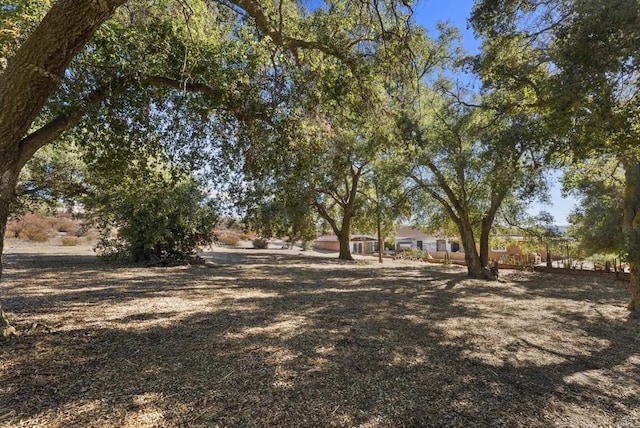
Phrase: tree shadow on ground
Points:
(325, 345)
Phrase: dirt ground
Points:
(283, 338)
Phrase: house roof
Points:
(410, 233)
(364, 237)
(327, 238)
(333, 238)
(402, 232)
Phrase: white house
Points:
(359, 244)
(406, 238)
(416, 239)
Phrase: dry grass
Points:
(276, 338)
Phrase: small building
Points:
(408, 238)
(359, 244)
(363, 244)
(326, 243)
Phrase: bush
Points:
(89, 235)
(34, 233)
(29, 227)
(155, 217)
(13, 228)
(246, 236)
(411, 254)
(229, 239)
(260, 243)
(65, 225)
(70, 241)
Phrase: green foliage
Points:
(55, 175)
(468, 161)
(579, 60)
(289, 216)
(17, 20)
(152, 217)
(597, 220)
(144, 206)
(537, 231)
(260, 243)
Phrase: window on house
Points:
(441, 245)
(371, 247)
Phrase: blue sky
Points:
(456, 12)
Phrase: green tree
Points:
(385, 202)
(50, 82)
(273, 212)
(538, 232)
(468, 161)
(324, 169)
(143, 208)
(54, 176)
(31, 75)
(589, 92)
(151, 217)
(597, 220)
(341, 122)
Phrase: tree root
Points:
(7, 332)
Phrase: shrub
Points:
(13, 228)
(229, 239)
(89, 235)
(155, 217)
(30, 227)
(260, 243)
(411, 254)
(70, 241)
(65, 225)
(247, 236)
(34, 233)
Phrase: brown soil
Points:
(282, 338)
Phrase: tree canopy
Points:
(580, 58)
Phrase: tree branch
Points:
(38, 66)
(263, 24)
(54, 128)
(445, 204)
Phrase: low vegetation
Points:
(70, 241)
(37, 227)
(260, 243)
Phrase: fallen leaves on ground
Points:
(277, 338)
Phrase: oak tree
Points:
(589, 94)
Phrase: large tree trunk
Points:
(32, 74)
(36, 69)
(345, 250)
(484, 242)
(7, 189)
(631, 225)
(634, 284)
(344, 236)
(475, 268)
